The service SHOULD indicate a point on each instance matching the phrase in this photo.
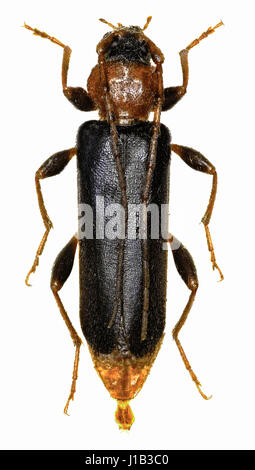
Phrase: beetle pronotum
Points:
(125, 159)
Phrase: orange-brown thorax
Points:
(133, 90)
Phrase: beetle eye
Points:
(115, 41)
(144, 47)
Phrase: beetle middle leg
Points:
(60, 273)
(51, 167)
(198, 162)
(187, 270)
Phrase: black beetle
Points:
(123, 159)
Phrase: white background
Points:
(217, 118)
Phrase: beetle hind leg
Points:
(187, 270)
(60, 272)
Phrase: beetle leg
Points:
(51, 167)
(173, 94)
(60, 273)
(76, 95)
(198, 162)
(187, 270)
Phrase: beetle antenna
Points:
(147, 23)
(109, 24)
(145, 198)
(114, 138)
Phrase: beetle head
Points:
(128, 44)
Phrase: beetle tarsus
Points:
(215, 266)
(39, 252)
(202, 393)
(211, 250)
(75, 376)
(32, 270)
(204, 35)
(188, 366)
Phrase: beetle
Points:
(124, 158)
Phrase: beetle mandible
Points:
(125, 159)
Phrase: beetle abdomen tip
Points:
(124, 415)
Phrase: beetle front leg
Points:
(187, 270)
(51, 167)
(60, 273)
(198, 162)
(173, 94)
(76, 95)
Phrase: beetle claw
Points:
(215, 266)
(198, 385)
(71, 397)
(32, 270)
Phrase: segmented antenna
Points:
(109, 24)
(147, 23)
(120, 25)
